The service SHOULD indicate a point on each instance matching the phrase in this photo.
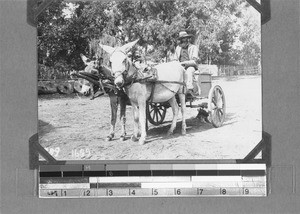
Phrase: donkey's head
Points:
(91, 65)
(120, 63)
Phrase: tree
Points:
(223, 31)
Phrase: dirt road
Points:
(74, 127)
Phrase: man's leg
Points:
(195, 91)
(189, 77)
(198, 82)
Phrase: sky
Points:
(67, 12)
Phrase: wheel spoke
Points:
(221, 111)
(214, 101)
(214, 106)
(216, 94)
(155, 116)
(221, 103)
(160, 114)
(219, 97)
(219, 116)
(214, 117)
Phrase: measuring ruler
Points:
(152, 180)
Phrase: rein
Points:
(129, 80)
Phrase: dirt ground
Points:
(73, 127)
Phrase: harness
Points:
(139, 77)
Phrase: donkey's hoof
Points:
(122, 138)
(169, 133)
(141, 142)
(183, 132)
(109, 137)
(134, 138)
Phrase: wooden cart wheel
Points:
(156, 113)
(216, 106)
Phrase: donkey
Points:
(170, 81)
(116, 96)
(89, 87)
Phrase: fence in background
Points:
(226, 70)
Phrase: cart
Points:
(212, 104)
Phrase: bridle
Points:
(128, 80)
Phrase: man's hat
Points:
(184, 34)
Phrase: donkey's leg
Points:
(135, 112)
(183, 111)
(174, 106)
(92, 92)
(114, 108)
(123, 117)
(142, 114)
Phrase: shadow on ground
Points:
(194, 125)
(44, 128)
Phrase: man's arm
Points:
(193, 55)
(189, 63)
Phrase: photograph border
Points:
(264, 146)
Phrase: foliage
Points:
(222, 31)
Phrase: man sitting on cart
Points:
(187, 54)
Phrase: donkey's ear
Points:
(107, 48)
(84, 59)
(129, 45)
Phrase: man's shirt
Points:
(184, 55)
(192, 53)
